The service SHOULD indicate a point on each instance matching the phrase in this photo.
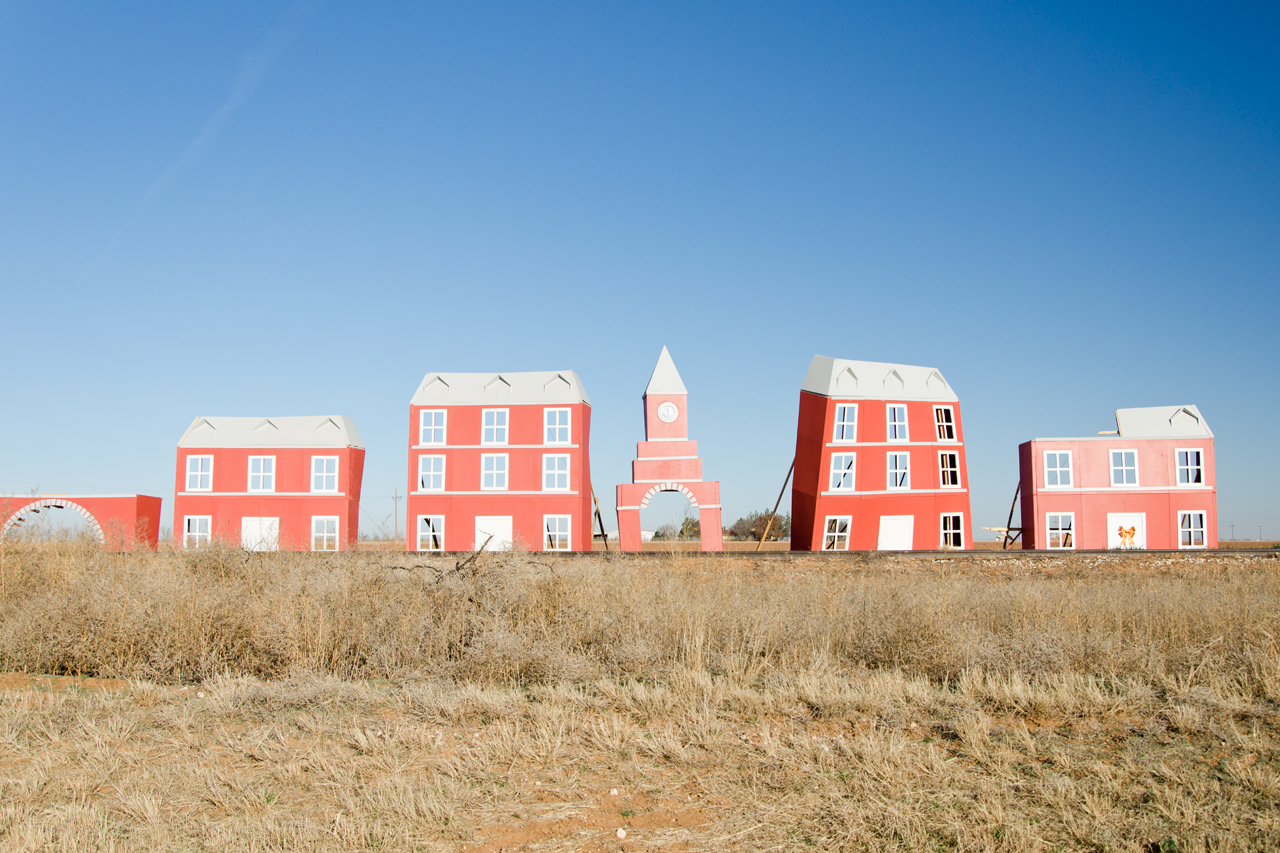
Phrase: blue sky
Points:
(272, 208)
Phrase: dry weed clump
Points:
(180, 617)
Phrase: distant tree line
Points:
(750, 527)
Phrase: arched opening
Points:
(51, 520)
(670, 513)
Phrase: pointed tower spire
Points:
(665, 379)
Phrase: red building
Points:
(880, 461)
(1147, 484)
(268, 484)
(667, 461)
(500, 458)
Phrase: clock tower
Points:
(665, 401)
(667, 461)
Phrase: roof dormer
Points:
(497, 385)
(846, 381)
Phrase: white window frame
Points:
(200, 537)
(956, 534)
(943, 469)
(199, 474)
(892, 426)
(324, 488)
(1058, 469)
(1063, 532)
(267, 479)
(423, 461)
(845, 430)
(324, 534)
(436, 530)
(498, 430)
(945, 426)
(890, 471)
(550, 469)
(1111, 458)
(835, 536)
(503, 472)
(1198, 467)
(844, 478)
(566, 427)
(1203, 529)
(428, 440)
(547, 543)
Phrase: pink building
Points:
(499, 458)
(1147, 484)
(667, 461)
(880, 460)
(269, 484)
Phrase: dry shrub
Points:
(177, 617)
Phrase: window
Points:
(431, 426)
(1191, 530)
(952, 531)
(199, 473)
(324, 473)
(1124, 467)
(493, 471)
(842, 470)
(846, 423)
(324, 533)
(557, 426)
(555, 532)
(949, 465)
(555, 473)
(1057, 469)
(1190, 468)
(196, 530)
(431, 533)
(262, 473)
(898, 423)
(1062, 530)
(495, 427)
(899, 470)
(944, 419)
(430, 474)
(836, 537)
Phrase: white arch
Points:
(61, 503)
(669, 487)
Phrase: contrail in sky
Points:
(253, 68)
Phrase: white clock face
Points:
(668, 412)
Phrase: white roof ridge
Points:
(665, 378)
(554, 387)
(848, 379)
(290, 431)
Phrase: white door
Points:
(1127, 530)
(260, 534)
(895, 532)
(497, 526)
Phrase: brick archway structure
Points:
(119, 522)
(667, 461)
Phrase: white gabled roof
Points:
(665, 379)
(309, 431)
(486, 389)
(1162, 422)
(875, 380)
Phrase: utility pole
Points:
(395, 517)
(1233, 532)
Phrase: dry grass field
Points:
(383, 701)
